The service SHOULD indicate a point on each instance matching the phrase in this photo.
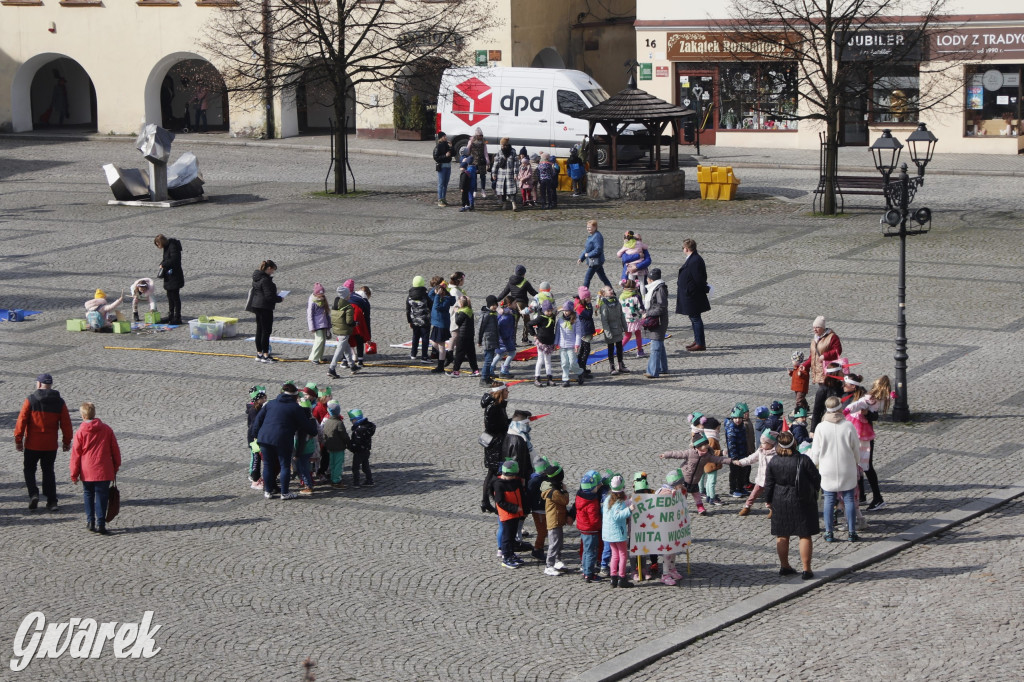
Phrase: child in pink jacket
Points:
(762, 456)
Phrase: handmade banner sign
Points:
(660, 525)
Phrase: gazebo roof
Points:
(633, 104)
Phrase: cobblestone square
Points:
(400, 581)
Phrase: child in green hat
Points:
(642, 487)
(359, 444)
(798, 426)
(695, 459)
(556, 502)
(588, 522)
(674, 484)
(508, 498)
(615, 513)
(257, 398)
(335, 441)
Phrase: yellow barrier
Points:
(717, 182)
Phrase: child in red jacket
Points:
(588, 522)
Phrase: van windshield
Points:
(595, 96)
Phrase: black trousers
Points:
(876, 492)
(264, 325)
(615, 350)
(824, 392)
(44, 459)
(738, 477)
(361, 461)
(174, 303)
(509, 529)
(581, 357)
(465, 352)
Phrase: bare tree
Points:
(814, 34)
(342, 47)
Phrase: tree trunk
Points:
(340, 146)
(828, 204)
(340, 93)
(268, 76)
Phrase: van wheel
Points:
(603, 156)
(458, 143)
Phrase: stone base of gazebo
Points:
(635, 186)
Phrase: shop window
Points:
(895, 96)
(993, 100)
(757, 96)
(570, 103)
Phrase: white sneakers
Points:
(552, 571)
(559, 566)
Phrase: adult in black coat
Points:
(496, 421)
(692, 292)
(519, 290)
(261, 304)
(791, 485)
(170, 272)
(274, 429)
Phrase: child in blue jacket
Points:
(440, 319)
(585, 313)
(359, 444)
(736, 445)
(506, 337)
(615, 512)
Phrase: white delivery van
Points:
(533, 107)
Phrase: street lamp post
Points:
(898, 197)
(698, 108)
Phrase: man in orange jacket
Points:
(35, 434)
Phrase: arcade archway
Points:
(177, 89)
(52, 91)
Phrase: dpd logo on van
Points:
(471, 101)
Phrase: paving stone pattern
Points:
(400, 581)
(943, 610)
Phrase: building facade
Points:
(746, 98)
(110, 66)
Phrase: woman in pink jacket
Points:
(95, 459)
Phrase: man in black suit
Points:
(692, 292)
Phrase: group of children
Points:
(100, 314)
(536, 178)
(443, 316)
(601, 510)
(347, 320)
(319, 459)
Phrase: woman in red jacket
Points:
(95, 459)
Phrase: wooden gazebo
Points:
(630, 106)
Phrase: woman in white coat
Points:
(835, 452)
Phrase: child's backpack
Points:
(631, 309)
(94, 320)
(419, 312)
(546, 170)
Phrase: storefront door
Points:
(854, 130)
(690, 82)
